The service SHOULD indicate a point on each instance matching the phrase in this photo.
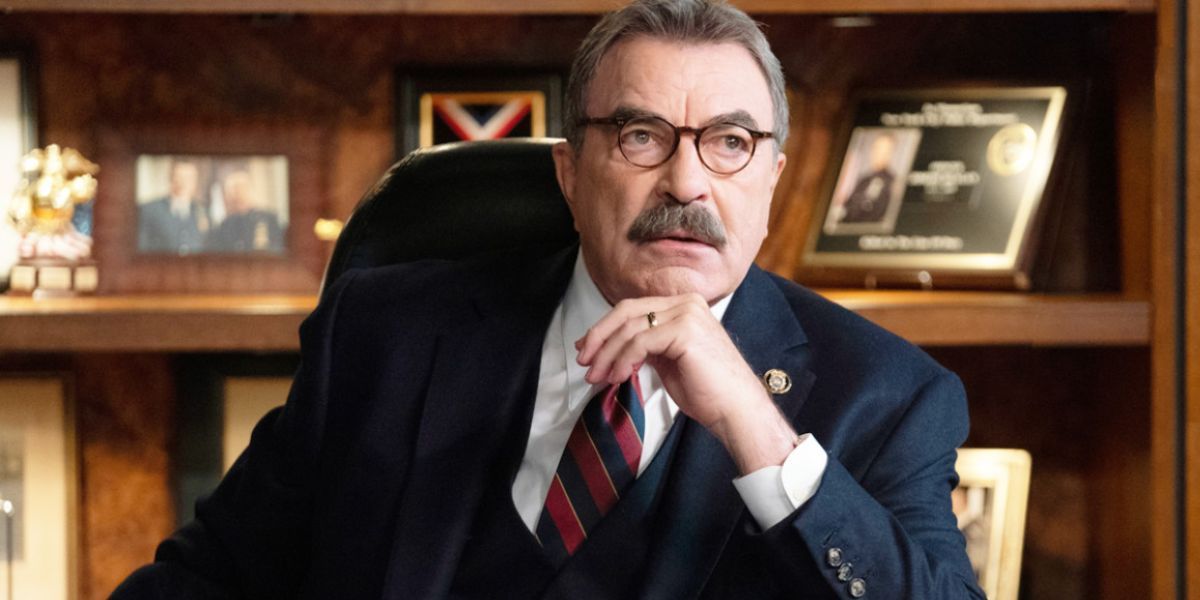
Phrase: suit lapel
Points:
(700, 505)
(483, 376)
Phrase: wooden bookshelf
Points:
(1088, 380)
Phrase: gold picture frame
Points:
(38, 475)
(990, 503)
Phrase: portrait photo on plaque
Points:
(870, 187)
(211, 204)
(439, 106)
(936, 188)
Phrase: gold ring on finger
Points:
(652, 319)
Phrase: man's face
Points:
(184, 178)
(881, 152)
(238, 197)
(688, 85)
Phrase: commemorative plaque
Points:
(936, 188)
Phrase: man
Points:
(868, 202)
(175, 224)
(246, 228)
(443, 438)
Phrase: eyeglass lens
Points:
(650, 141)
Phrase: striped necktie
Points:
(599, 463)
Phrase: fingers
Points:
(617, 345)
(624, 311)
(629, 346)
(621, 314)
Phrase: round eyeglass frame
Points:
(697, 133)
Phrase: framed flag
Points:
(438, 106)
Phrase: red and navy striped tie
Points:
(599, 463)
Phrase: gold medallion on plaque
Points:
(1011, 150)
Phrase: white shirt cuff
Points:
(773, 493)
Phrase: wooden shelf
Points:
(562, 7)
(991, 318)
(155, 323)
(159, 323)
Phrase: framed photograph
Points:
(18, 135)
(936, 188)
(438, 106)
(870, 187)
(203, 204)
(210, 209)
(990, 503)
(37, 489)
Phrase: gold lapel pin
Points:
(777, 381)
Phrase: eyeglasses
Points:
(725, 148)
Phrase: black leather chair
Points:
(458, 200)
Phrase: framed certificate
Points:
(936, 188)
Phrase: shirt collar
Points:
(583, 305)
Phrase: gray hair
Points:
(690, 21)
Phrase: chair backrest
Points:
(457, 200)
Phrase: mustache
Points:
(671, 218)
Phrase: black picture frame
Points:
(479, 93)
(937, 187)
(200, 442)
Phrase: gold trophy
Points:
(55, 258)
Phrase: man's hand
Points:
(700, 367)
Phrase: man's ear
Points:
(564, 170)
(780, 162)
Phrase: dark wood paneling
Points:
(825, 64)
(107, 79)
(1084, 416)
(123, 406)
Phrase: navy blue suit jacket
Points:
(365, 484)
(160, 231)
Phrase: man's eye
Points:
(735, 143)
(639, 137)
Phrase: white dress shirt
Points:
(770, 493)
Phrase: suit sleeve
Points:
(250, 537)
(889, 532)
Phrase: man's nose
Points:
(685, 177)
